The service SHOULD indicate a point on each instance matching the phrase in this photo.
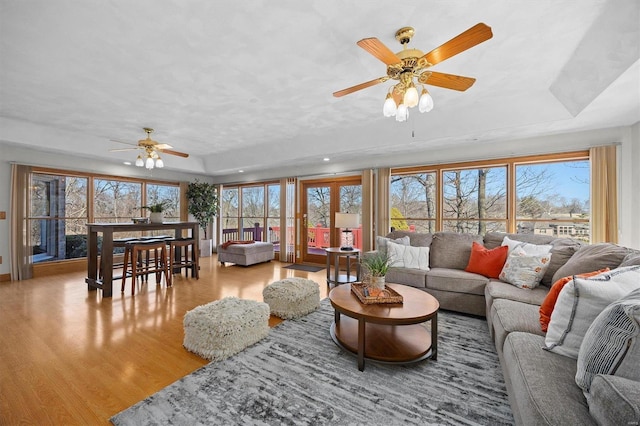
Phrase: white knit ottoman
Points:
(292, 297)
(219, 329)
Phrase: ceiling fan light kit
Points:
(412, 64)
(151, 158)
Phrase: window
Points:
(413, 202)
(251, 212)
(544, 195)
(553, 199)
(273, 214)
(229, 212)
(60, 208)
(58, 217)
(474, 200)
(116, 201)
(170, 194)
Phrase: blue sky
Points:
(570, 180)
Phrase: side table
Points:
(333, 258)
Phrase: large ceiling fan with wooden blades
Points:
(410, 64)
(151, 151)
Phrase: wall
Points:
(629, 184)
(15, 154)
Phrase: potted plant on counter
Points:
(156, 211)
(375, 265)
(203, 205)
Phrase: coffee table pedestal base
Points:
(400, 344)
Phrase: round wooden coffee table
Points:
(386, 332)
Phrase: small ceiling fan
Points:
(151, 157)
(408, 64)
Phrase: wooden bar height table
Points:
(107, 230)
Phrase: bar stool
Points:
(117, 243)
(184, 254)
(133, 254)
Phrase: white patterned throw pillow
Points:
(611, 344)
(408, 256)
(528, 248)
(524, 271)
(581, 301)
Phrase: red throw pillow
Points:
(550, 301)
(487, 262)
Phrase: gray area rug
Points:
(298, 376)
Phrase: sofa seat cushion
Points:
(456, 281)
(508, 316)
(411, 277)
(500, 290)
(541, 385)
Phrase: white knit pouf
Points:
(219, 329)
(292, 297)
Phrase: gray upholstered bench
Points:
(219, 329)
(246, 254)
(292, 297)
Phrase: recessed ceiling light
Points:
(326, 159)
(240, 171)
(127, 163)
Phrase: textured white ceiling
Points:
(247, 85)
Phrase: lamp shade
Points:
(149, 163)
(426, 102)
(389, 107)
(347, 220)
(411, 96)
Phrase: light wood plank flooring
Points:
(68, 356)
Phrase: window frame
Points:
(509, 163)
(90, 202)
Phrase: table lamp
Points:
(346, 221)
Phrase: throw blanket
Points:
(231, 242)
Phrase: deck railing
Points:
(318, 236)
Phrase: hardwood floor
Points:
(68, 356)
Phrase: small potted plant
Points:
(376, 264)
(203, 205)
(156, 211)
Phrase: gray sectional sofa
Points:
(541, 384)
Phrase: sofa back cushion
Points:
(591, 257)
(451, 249)
(631, 259)
(494, 239)
(381, 242)
(416, 239)
(562, 249)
